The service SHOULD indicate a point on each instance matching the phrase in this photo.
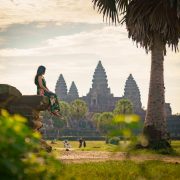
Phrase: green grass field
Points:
(176, 146)
(121, 170)
(117, 170)
(102, 146)
(90, 146)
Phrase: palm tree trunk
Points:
(67, 123)
(155, 122)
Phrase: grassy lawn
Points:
(90, 146)
(176, 146)
(117, 170)
(122, 170)
(102, 146)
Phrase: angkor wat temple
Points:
(99, 98)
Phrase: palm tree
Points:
(105, 122)
(95, 120)
(152, 24)
(66, 112)
(79, 110)
(123, 106)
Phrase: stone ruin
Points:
(29, 106)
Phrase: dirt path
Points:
(97, 156)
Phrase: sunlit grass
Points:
(176, 146)
(124, 170)
(90, 146)
(102, 146)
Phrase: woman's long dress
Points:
(53, 101)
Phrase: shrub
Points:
(114, 140)
(20, 153)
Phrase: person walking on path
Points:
(84, 143)
(80, 142)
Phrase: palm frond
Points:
(176, 4)
(122, 5)
(111, 8)
(144, 18)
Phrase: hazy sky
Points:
(69, 37)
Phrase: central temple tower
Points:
(131, 92)
(99, 98)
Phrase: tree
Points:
(78, 109)
(105, 122)
(55, 122)
(95, 119)
(152, 24)
(65, 111)
(123, 106)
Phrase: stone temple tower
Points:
(131, 92)
(99, 98)
(61, 88)
(73, 92)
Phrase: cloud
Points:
(34, 34)
(103, 41)
(21, 12)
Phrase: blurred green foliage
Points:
(21, 156)
(121, 123)
(125, 126)
(129, 126)
(114, 140)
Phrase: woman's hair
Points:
(41, 70)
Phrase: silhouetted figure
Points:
(80, 142)
(84, 143)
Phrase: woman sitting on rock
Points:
(42, 90)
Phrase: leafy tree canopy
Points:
(95, 119)
(105, 122)
(123, 106)
(65, 109)
(78, 109)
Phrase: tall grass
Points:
(121, 170)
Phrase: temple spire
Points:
(99, 98)
(131, 92)
(100, 77)
(61, 88)
(73, 92)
